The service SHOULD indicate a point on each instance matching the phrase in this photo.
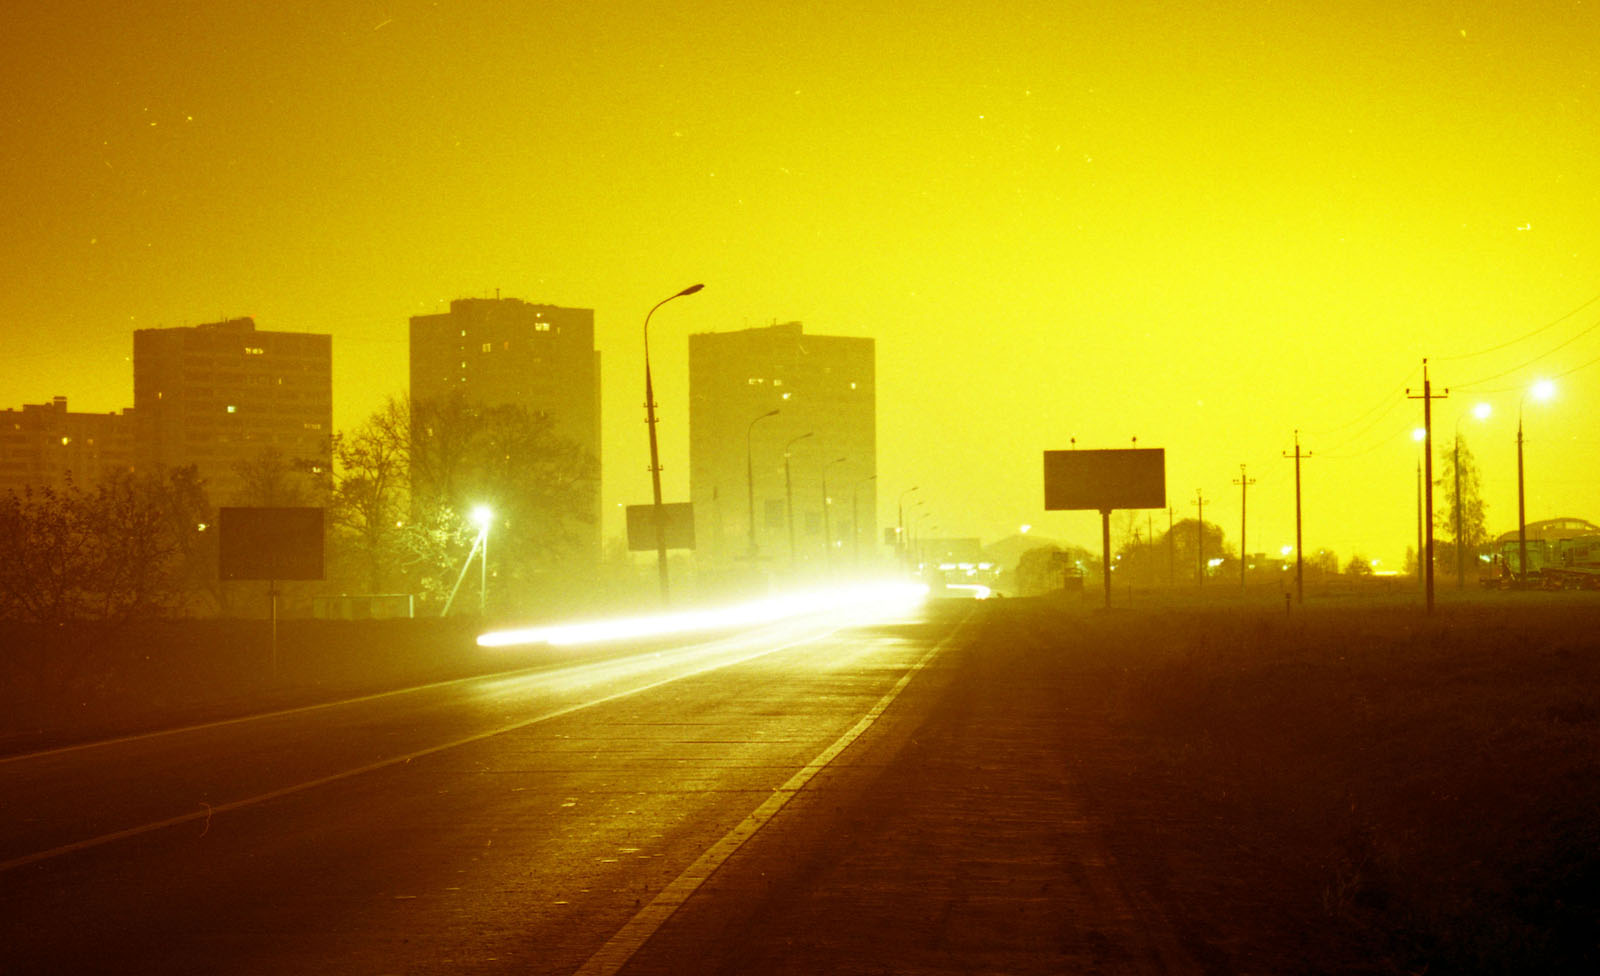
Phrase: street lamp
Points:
(481, 517)
(827, 524)
(900, 525)
(1481, 412)
(750, 476)
(1542, 390)
(855, 518)
(788, 493)
(655, 457)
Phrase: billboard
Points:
(269, 543)
(642, 526)
(1101, 481)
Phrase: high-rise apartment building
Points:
(508, 352)
(44, 446)
(224, 396)
(823, 495)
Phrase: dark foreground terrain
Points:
(1352, 787)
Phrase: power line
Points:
(1520, 366)
(1511, 342)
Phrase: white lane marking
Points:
(615, 954)
(208, 812)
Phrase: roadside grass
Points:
(1419, 794)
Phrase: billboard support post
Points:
(1102, 481)
(1105, 550)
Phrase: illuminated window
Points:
(786, 396)
(488, 347)
(463, 333)
(777, 382)
(65, 441)
(852, 386)
(541, 326)
(232, 408)
(254, 351)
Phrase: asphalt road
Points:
(802, 797)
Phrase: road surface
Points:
(802, 797)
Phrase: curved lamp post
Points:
(750, 476)
(900, 525)
(827, 524)
(655, 457)
(1542, 390)
(855, 518)
(788, 492)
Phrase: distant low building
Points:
(43, 445)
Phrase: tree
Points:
(371, 492)
(1183, 542)
(1358, 565)
(1470, 505)
(1323, 562)
(1042, 569)
(117, 552)
(540, 487)
(271, 479)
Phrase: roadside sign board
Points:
(679, 517)
(269, 543)
(1101, 481)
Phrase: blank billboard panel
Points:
(1101, 481)
(642, 526)
(269, 543)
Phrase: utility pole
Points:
(1299, 549)
(1427, 396)
(1244, 484)
(1200, 539)
(1172, 553)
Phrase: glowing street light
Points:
(482, 517)
(655, 458)
(1542, 390)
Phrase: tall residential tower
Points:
(223, 396)
(507, 352)
(823, 495)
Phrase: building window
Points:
(541, 326)
(488, 347)
(254, 351)
(232, 408)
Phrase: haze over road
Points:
(531, 822)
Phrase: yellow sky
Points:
(1205, 226)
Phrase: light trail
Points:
(878, 599)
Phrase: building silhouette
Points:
(226, 397)
(43, 445)
(508, 352)
(824, 386)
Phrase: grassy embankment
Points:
(1356, 785)
(84, 681)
